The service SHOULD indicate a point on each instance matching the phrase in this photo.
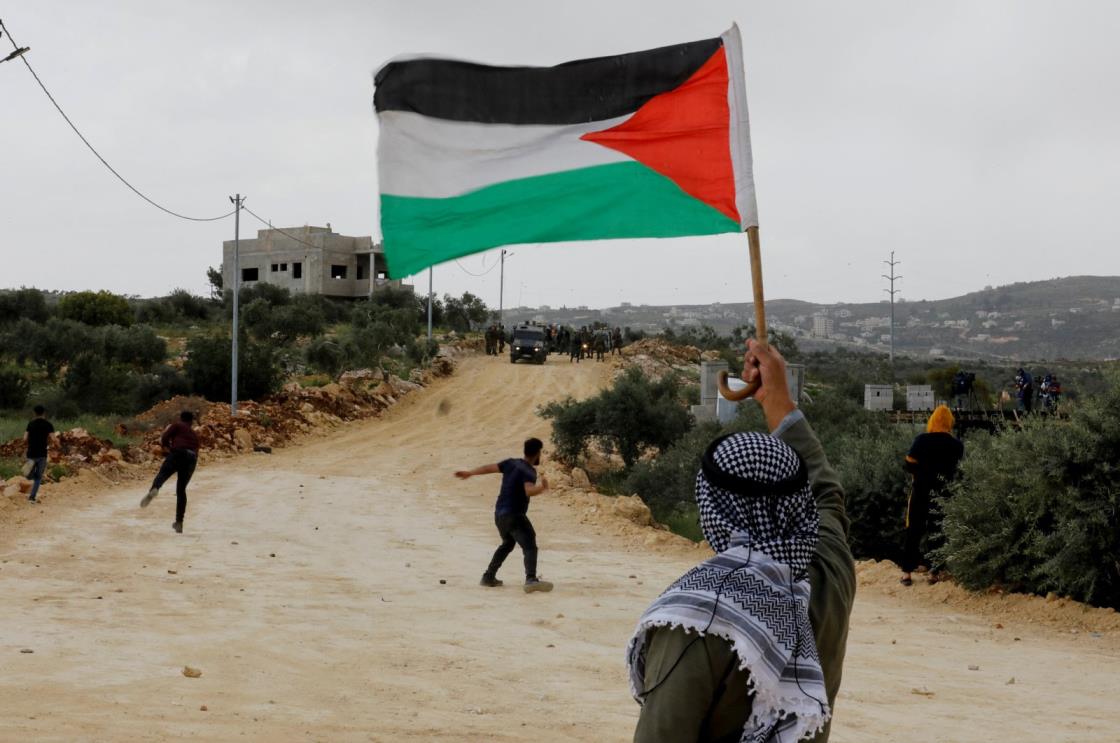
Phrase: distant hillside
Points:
(1069, 318)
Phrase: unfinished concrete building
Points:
(309, 260)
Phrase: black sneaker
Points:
(533, 585)
(489, 581)
(178, 527)
(148, 497)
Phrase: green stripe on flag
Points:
(620, 200)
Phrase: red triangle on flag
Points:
(685, 135)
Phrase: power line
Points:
(472, 273)
(268, 224)
(97, 154)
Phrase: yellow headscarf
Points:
(940, 421)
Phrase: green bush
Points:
(1037, 509)
(631, 417)
(158, 384)
(23, 304)
(325, 355)
(209, 366)
(96, 308)
(180, 306)
(667, 482)
(14, 388)
(95, 385)
(868, 453)
(138, 347)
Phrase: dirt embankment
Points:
(292, 412)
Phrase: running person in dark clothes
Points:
(519, 484)
(181, 443)
(38, 435)
(933, 461)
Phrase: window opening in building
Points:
(338, 272)
(362, 272)
(283, 267)
(275, 267)
(249, 274)
(297, 270)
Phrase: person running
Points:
(38, 434)
(519, 484)
(181, 443)
(750, 644)
(932, 461)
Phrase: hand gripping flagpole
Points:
(759, 321)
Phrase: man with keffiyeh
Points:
(749, 645)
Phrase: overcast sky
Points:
(980, 141)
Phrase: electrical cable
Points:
(268, 224)
(472, 273)
(97, 154)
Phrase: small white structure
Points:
(878, 397)
(919, 397)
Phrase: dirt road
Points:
(307, 589)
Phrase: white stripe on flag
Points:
(436, 158)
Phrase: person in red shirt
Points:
(181, 444)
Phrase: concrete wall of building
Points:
(317, 250)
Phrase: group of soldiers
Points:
(496, 339)
(586, 341)
(578, 344)
(1049, 391)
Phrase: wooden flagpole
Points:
(759, 318)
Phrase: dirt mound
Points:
(995, 604)
(656, 357)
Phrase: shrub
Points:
(96, 308)
(666, 483)
(14, 389)
(138, 347)
(25, 304)
(868, 453)
(209, 363)
(159, 384)
(1037, 508)
(633, 415)
(325, 355)
(55, 344)
(97, 386)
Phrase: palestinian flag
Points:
(648, 144)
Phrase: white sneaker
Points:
(148, 498)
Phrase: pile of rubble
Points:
(259, 426)
(656, 357)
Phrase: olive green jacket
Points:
(705, 698)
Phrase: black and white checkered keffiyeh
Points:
(755, 592)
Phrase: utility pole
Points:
(892, 291)
(429, 306)
(237, 201)
(502, 289)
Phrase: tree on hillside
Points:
(634, 415)
(214, 277)
(24, 303)
(464, 313)
(96, 308)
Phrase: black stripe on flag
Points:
(570, 93)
